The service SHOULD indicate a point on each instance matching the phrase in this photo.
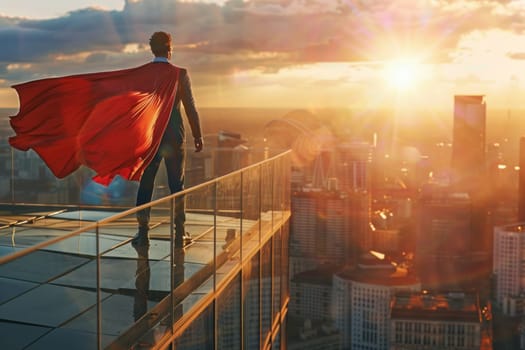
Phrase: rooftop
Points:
(437, 306)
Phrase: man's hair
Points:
(160, 43)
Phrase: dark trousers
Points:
(174, 160)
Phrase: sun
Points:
(403, 74)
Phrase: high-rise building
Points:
(311, 294)
(328, 227)
(468, 164)
(508, 267)
(319, 226)
(521, 182)
(468, 146)
(442, 239)
(435, 321)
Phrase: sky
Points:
(282, 53)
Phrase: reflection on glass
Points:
(142, 279)
(200, 334)
(228, 318)
(266, 288)
(142, 284)
(277, 273)
(178, 279)
(251, 302)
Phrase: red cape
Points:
(111, 122)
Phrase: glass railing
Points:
(25, 178)
(72, 274)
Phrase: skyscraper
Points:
(469, 165)
(521, 182)
(468, 147)
(443, 235)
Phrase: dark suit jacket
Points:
(175, 132)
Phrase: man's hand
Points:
(198, 144)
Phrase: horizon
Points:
(385, 54)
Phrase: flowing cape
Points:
(111, 122)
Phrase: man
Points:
(118, 123)
(171, 147)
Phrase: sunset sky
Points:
(282, 53)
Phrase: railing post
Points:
(241, 308)
(261, 339)
(172, 262)
(215, 296)
(99, 294)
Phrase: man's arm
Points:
(191, 112)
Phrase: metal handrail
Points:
(131, 211)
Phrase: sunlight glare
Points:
(403, 74)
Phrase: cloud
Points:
(266, 35)
(517, 55)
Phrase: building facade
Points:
(435, 321)
(509, 268)
(361, 301)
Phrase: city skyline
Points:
(294, 53)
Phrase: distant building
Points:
(469, 145)
(329, 226)
(385, 240)
(443, 235)
(352, 166)
(311, 294)
(318, 225)
(508, 268)
(469, 166)
(313, 336)
(231, 153)
(361, 301)
(435, 321)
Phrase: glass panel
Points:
(33, 182)
(136, 282)
(228, 222)
(200, 334)
(266, 198)
(195, 264)
(251, 302)
(250, 210)
(266, 289)
(278, 191)
(200, 221)
(277, 254)
(43, 288)
(229, 316)
(287, 180)
(6, 170)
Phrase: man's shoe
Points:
(187, 238)
(184, 242)
(140, 239)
